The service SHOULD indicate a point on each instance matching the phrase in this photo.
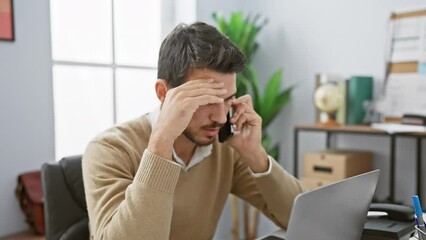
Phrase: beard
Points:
(192, 136)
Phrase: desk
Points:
(366, 130)
(281, 232)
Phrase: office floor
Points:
(23, 236)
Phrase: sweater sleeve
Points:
(124, 205)
(272, 193)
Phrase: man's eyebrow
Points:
(230, 97)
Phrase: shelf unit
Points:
(366, 130)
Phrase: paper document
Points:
(404, 94)
(398, 128)
(407, 40)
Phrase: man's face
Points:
(208, 119)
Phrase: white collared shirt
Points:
(201, 152)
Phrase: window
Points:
(104, 56)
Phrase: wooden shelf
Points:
(363, 129)
(342, 128)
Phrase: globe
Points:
(328, 98)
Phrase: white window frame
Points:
(172, 12)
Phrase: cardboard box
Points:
(336, 165)
(313, 183)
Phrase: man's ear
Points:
(161, 88)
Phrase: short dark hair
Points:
(197, 46)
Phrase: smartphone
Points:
(228, 129)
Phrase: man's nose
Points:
(218, 113)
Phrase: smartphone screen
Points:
(228, 129)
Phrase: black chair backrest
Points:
(65, 210)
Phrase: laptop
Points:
(334, 212)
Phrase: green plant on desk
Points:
(242, 31)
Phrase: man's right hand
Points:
(177, 110)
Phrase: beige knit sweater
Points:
(133, 194)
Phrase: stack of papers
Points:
(398, 128)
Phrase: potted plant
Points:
(242, 31)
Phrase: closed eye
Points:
(228, 99)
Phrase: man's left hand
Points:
(247, 140)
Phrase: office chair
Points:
(65, 208)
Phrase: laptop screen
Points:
(334, 212)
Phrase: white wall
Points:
(26, 105)
(345, 37)
(205, 8)
(305, 37)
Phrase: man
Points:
(165, 175)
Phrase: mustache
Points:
(214, 125)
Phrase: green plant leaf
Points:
(280, 102)
(243, 85)
(235, 26)
(248, 38)
(242, 32)
(254, 80)
(246, 41)
(253, 45)
(271, 92)
(221, 23)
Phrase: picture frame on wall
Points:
(6, 21)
